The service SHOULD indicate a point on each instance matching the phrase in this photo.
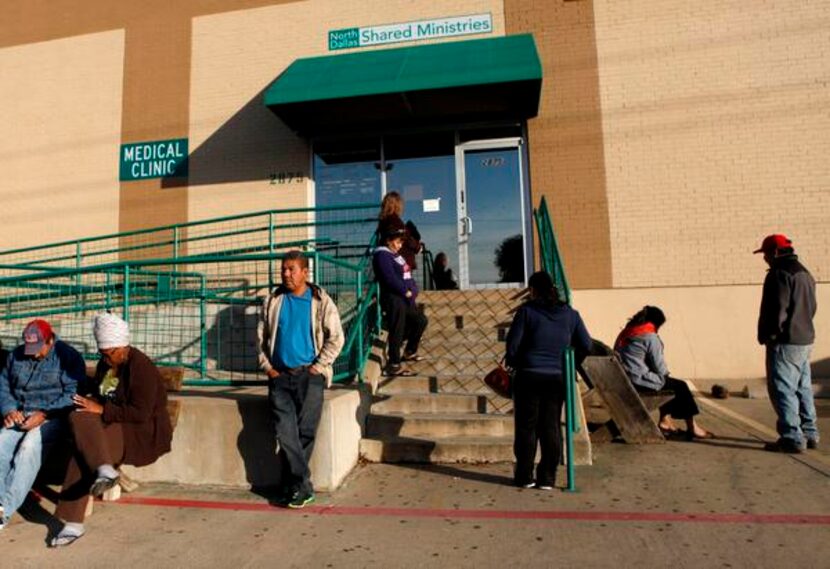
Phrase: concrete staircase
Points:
(445, 413)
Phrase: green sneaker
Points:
(301, 499)
(284, 495)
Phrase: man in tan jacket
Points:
(300, 336)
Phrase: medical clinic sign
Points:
(410, 31)
(155, 159)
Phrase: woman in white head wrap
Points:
(122, 420)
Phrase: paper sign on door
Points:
(432, 205)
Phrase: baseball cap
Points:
(35, 334)
(774, 242)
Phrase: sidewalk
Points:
(724, 503)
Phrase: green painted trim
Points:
(444, 65)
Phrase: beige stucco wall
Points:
(236, 143)
(709, 331)
(60, 107)
(716, 129)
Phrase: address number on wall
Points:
(286, 177)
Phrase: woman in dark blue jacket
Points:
(541, 330)
(398, 292)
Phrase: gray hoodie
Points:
(642, 358)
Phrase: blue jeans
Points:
(791, 391)
(21, 454)
(297, 404)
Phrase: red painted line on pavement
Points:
(802, 519)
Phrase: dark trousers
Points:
(683, 405)
(403, 322)
(297, 403)
(537, 413)
(96, 444)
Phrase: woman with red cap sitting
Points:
(641, 352)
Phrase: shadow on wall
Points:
(232, 339)
(821, 368)
(264, 468)
(252, 145)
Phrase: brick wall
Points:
(567, 163)
(716, 128)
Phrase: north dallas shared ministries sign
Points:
(153, 159)
(410, 31)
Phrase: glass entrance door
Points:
(467, 197)
(421, 168)
(491, 228)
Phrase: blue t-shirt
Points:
(294, 346)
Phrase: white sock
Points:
(107, 471)
(72, 528)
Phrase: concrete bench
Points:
(225, 436)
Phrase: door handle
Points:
(466, 226)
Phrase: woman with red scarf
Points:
(641, 352)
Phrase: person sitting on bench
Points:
(122, 420)
(37, 384)
(641, 353)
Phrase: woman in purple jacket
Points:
(398, 292)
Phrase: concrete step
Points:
(415, 384)
(436, 383)
(477, 366)
(431, 403)
(438, 425)
(437, 450)
(453, 450)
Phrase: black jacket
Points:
(788, 304)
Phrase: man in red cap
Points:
(785, 327)
(36, 388)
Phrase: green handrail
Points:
(179, 226)
(551, 261)
(549, 253)
(570, 416)
(132, 295)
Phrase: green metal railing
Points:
(427, 264)
(257, 232)
(551, 261)
(178, 318)
(197, 311)
(549, 255)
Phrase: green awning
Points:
(494, 78)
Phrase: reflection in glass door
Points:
(346, 172)
(421, 168)
(491, 216)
